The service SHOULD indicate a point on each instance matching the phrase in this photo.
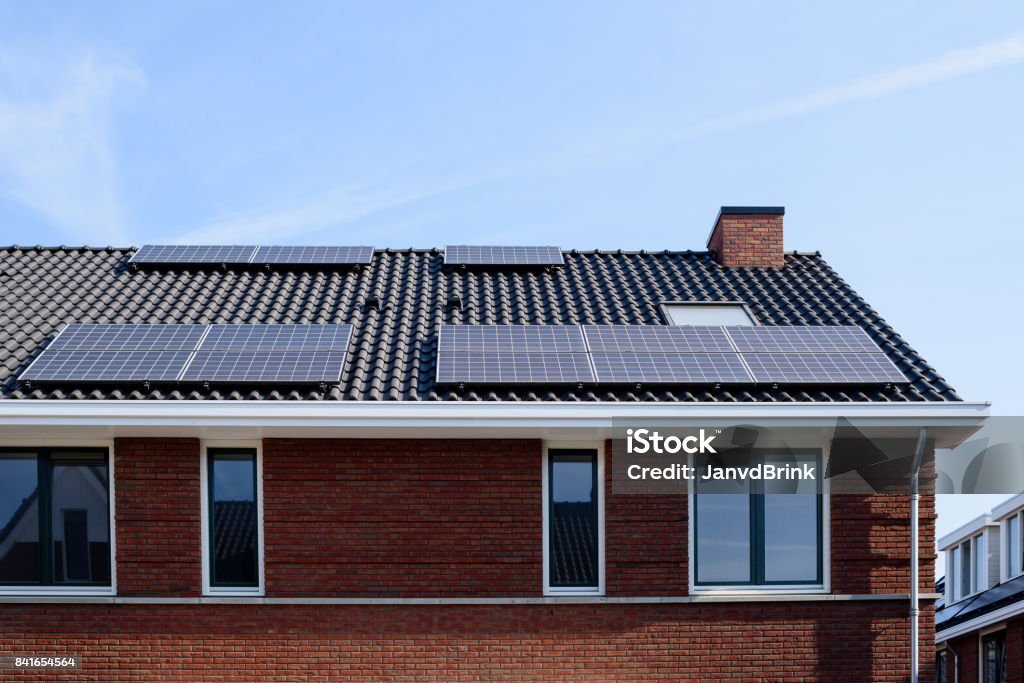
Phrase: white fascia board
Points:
(399, 412)
(1008, 507)
(965, 531)
(978, 623)
(417, 419)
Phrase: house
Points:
(979, 621)
(397, 464)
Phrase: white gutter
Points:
(438, 413)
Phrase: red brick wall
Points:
(967, 649)
(871, 543)
(402, 518)
(156, 511)
(843, 642)
(646, 541)
(748, 240)
(1015, 651)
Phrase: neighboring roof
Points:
(994, 598)
(394, 351)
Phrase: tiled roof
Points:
(394, 350)
(999, 596)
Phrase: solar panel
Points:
(175, 253)
(656, 338)
(511, 367)
(127, 337)
(825, 339)
(464, 254)
(670, 368)
(208, 353)
(265, 366)
(243, 337)
(324, 255)
(823, 368)
(107, 366)
(520, 338)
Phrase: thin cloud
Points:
(56, 146)
(949, 66)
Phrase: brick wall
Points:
(396, 518)
(842, 642)
(646, 541)
(156, 511)
(402, 518)
(748, 240)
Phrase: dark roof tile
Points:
(394, 348)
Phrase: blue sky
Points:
(890, 131)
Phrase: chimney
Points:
(748, 236)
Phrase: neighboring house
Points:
(980, 619)
(445, 510)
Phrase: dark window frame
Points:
(757, 527)
(45, 462)
(211, 547)
(999, 638)
(574, 455)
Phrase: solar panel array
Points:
(159, 254)
(513, 354)
(235, 353)
(464, 254)
(313, 255)
(661, 354)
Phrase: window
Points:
(940, 667)
(54, 518)
(966, 568)
(993, 658)
(696, 313)
(233, 520)
(573, 532)
(1013, 546)
(759, 533)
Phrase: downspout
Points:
(915, 610)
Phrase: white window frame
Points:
(230, 591)
(774, 589)
(74, 591)
(982, 634)
(1004, 545)
(559, 591)
(667, 315)
(980, 582)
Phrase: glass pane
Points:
(791, 525)
(980, 556)
(80, 519)
(19, 519)
(994, 659)
(723, 530)
(1013, 544)
(234, 518)
(954, 573)
(965, 568)
(573, 521)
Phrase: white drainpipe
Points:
(915, 610)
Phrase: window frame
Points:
(39, 447)
(205, 493)
(666, 314)
(821, 586)
(983, 637)
(1004, 543)
(598, 449)
(954, 582)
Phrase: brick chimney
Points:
(748, 236)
